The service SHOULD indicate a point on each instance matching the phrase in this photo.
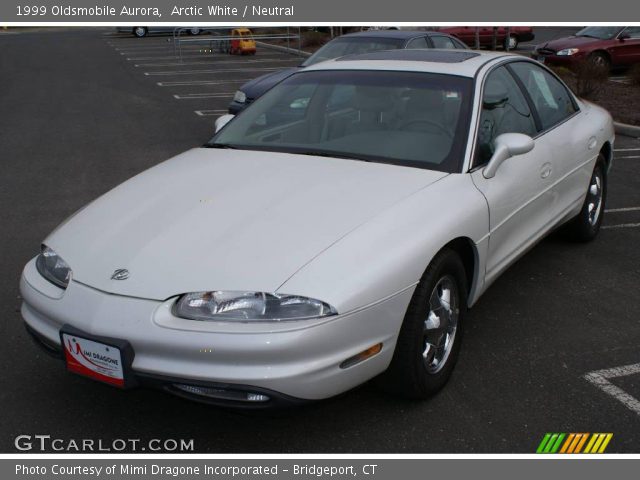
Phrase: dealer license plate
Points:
(93, 359)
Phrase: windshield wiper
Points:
(320, 153)
(219, 145)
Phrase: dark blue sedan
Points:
(353, 43)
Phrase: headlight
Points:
(249, 307)
(568, 51)
(240, 97)
(53, 268)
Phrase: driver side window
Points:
(504, 110)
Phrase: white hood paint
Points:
(212, 219)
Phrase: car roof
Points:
(398, 34)
(464, 63)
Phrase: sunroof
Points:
(417, 55)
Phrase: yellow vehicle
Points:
(242, 42)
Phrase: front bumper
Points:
(298, 360)
(558, 60)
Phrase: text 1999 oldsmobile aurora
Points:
(335, 231)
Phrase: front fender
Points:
(389, 253)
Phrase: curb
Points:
(627, 130)
(293, 51)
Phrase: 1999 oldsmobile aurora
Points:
(335, 231)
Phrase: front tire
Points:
(586, 225)
(431, 333)
(600, 60)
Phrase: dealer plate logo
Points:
(120, 274)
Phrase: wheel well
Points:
(607, 152)
(463, 246)
(604, 53)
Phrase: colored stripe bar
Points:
(607, 439)
(551, 443)
(575, 442)
(556, 446)
(543, 443)
(592, 441)
(582, 441)
(567, 442)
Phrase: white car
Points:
(335, 231)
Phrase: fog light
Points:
(362, 356)
(222, 394)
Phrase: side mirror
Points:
(506, 146)
(624, 36)
(222, 121)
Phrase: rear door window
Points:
(550, 97)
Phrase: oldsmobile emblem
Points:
(120, 274)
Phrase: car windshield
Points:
(352, 45)
(407, 118)
(603, 33)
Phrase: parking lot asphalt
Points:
(82, 110)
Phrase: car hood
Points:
(258, 86)
(570, 42)
(214, 219)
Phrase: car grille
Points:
(545, 51)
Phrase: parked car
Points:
(141, 31)
(516, 35)
(607, 47)
(359, 42)
(290, 262)
(242, 42)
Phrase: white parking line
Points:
(211, 61)
(600, 379)
(196, 96)
(622, 225)
(145, 47)
(197, 72)
(197, 54)
(201, 82)
(626, 209)
(170, 57)
(209, 113)
(629, 156)
(164, 51)
(626, 149)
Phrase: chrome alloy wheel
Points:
(594, 198)
(440, 327)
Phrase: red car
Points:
(605, 46)
(468, 35)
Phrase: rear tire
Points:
(431, 333)
(585, 226)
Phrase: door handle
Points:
(592, 143)
(545, 171)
